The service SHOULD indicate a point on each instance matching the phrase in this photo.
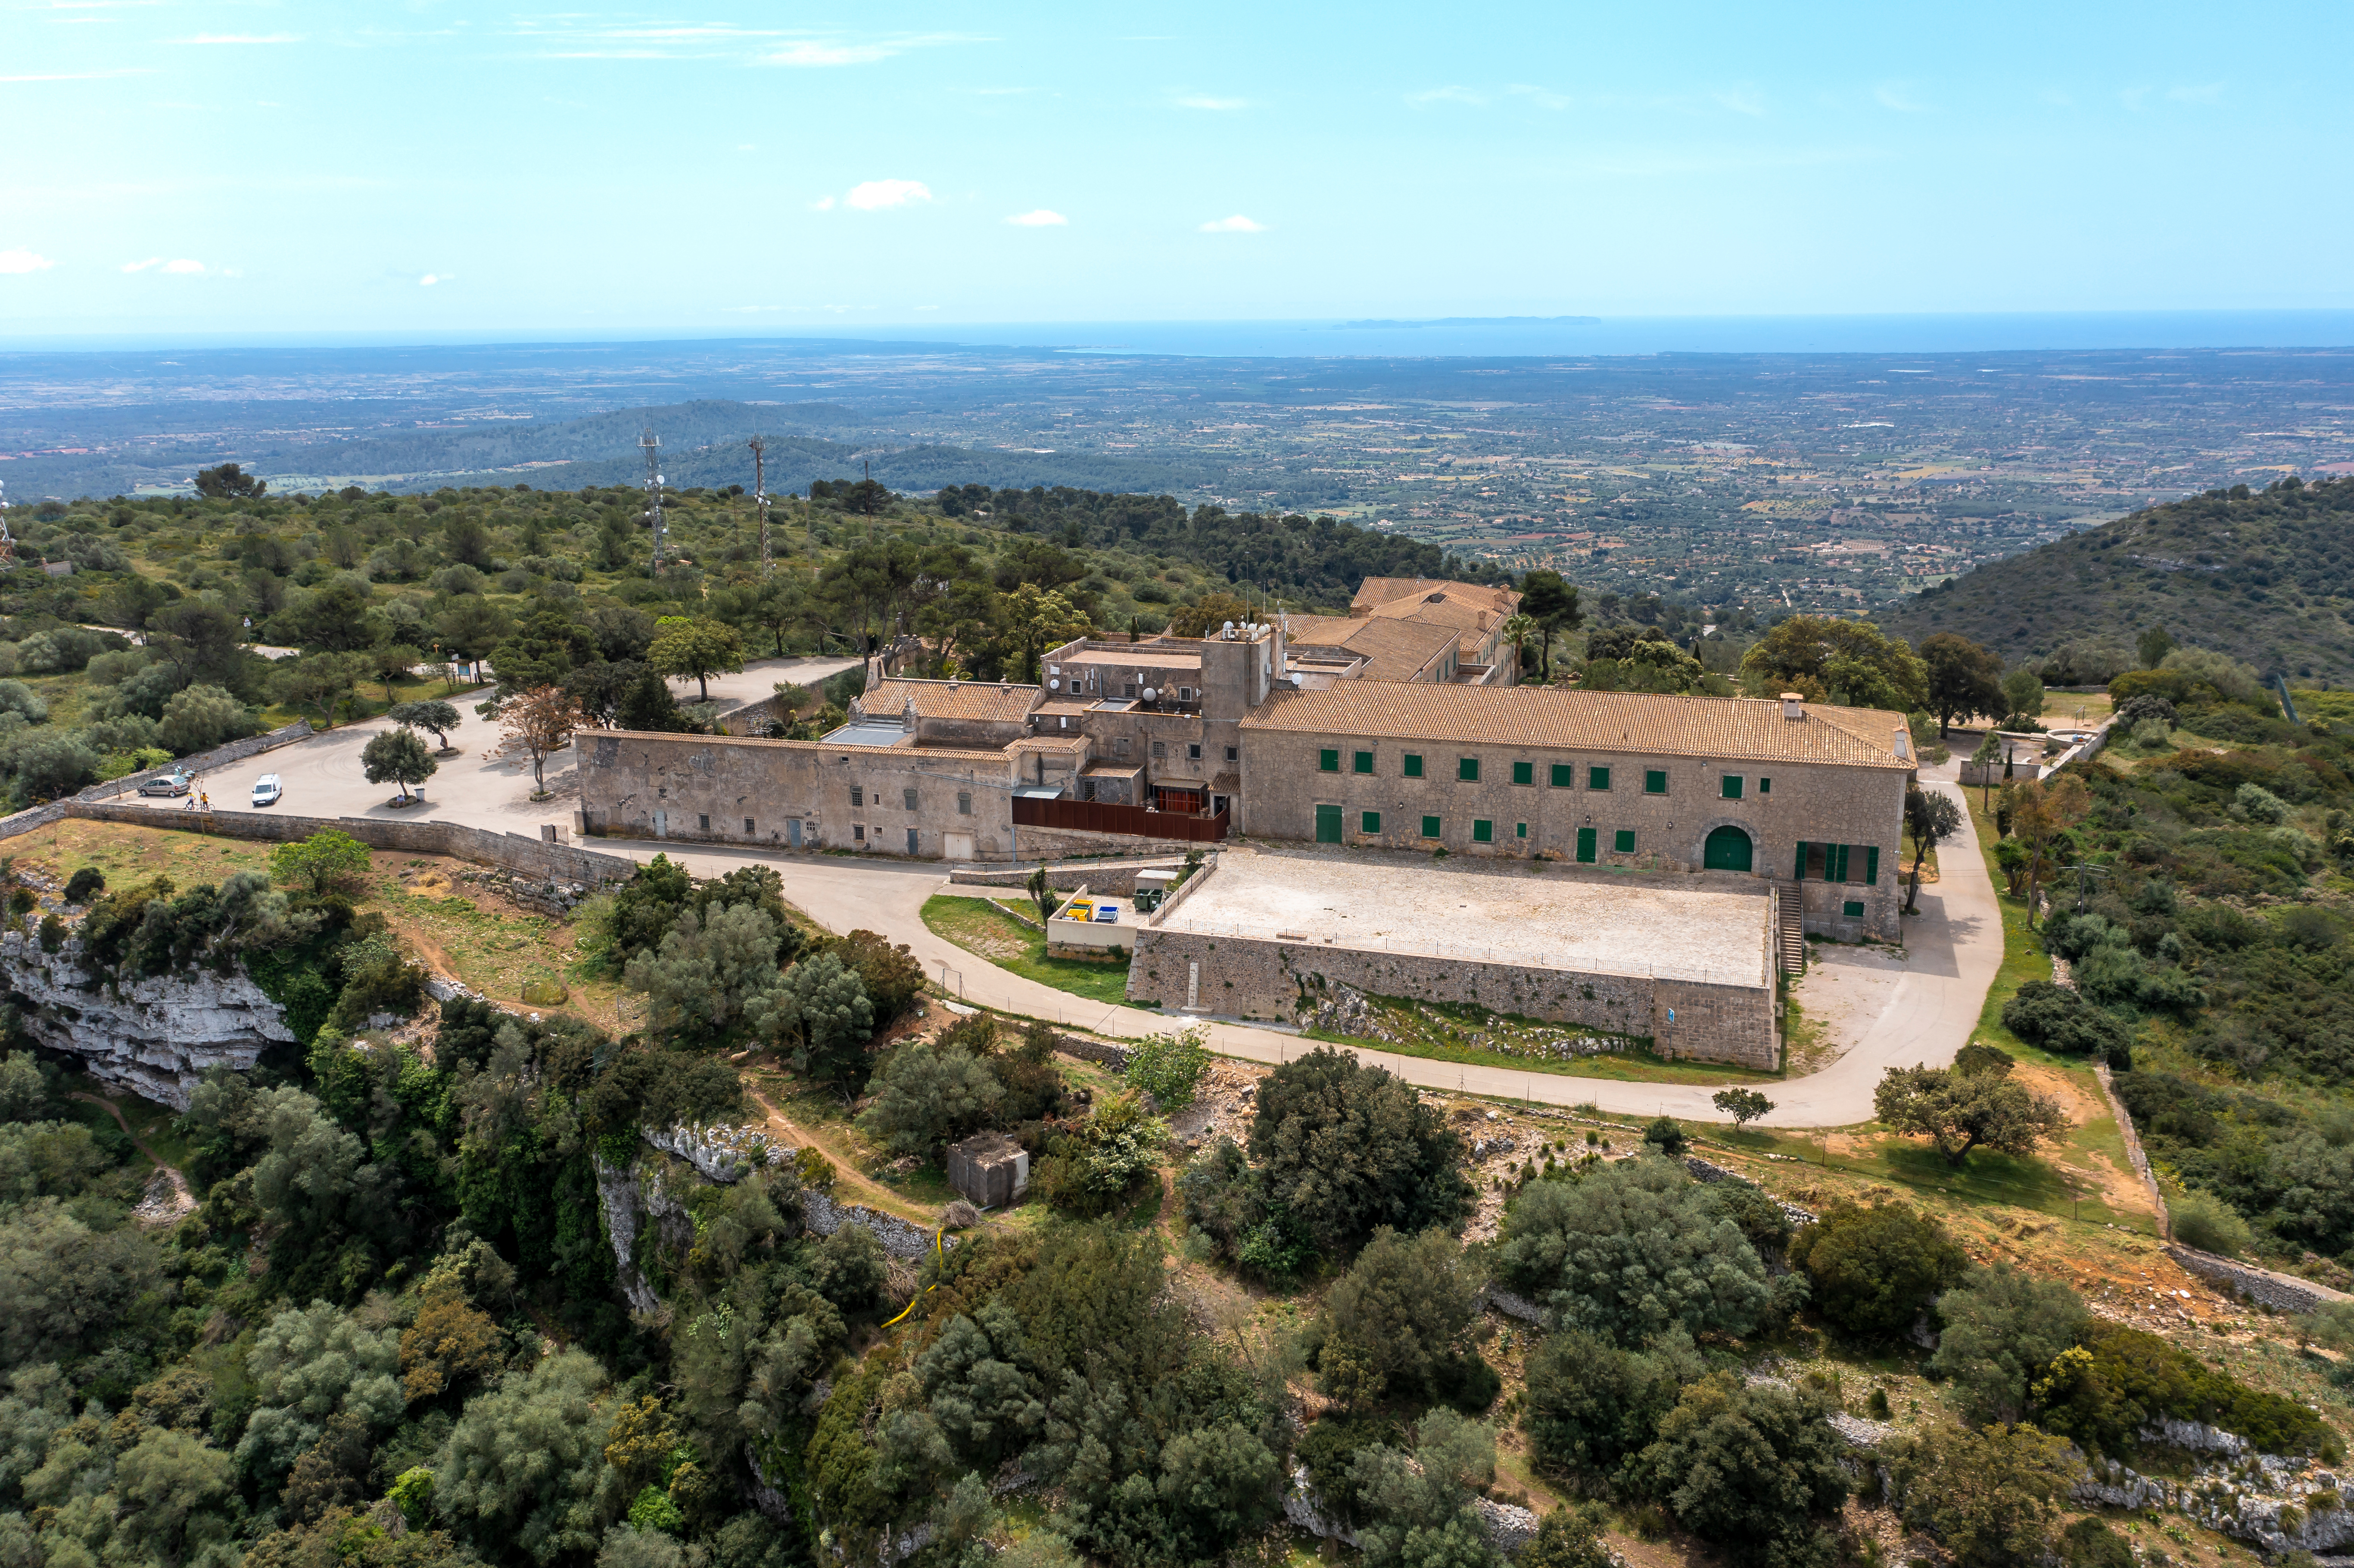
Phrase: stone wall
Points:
(796, 794)
(539, 858)
(1254, 978)
(2281, 1292)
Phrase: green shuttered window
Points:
(1412, 765)
(1328, 761)
(1655, 782)
(1430, 827)
(1467, 769)
(1524, 772)
(1483, 831)
(1362, 762)
(1622, 841)
(1564, 775)
(1371, 823)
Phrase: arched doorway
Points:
(1728, 848)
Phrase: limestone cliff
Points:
(154, 1037)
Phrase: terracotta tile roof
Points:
(1392, 649)
(982, 700)
(1375, 591)
(1746, 727)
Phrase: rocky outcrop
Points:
(156, 1037)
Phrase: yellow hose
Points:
(938, 1256)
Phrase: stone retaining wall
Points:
(558, 863)
(2281, 1292)
(1254, 978)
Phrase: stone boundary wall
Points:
(2126, 1127)
(33, 817)
(512, 852)
(1709, 1170)
(2281, 1292)
(1243, 977)
(1102, 1053)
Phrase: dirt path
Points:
(149, 1210)
(865, 1187)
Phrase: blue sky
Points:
(201, 165)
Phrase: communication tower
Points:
(759, 445)
(7, 540)
(652, 444)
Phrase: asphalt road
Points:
(1953, 948)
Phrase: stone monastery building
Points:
(1125, 747)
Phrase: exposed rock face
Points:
(154, 1037)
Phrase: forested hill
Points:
(2267, 574)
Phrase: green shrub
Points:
(2117, 1380)
(2205, 1221)
(1170, 1066)
(1874, 1270)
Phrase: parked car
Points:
(173, 783)
(267, 789)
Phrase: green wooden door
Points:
(1586, 845)
(1328, 824)
(1728, 848)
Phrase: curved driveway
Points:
(1953, 945)
(1954, 948)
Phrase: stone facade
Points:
(1250, 977)
(797, 794)
(1286, 782)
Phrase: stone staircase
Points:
(1789, 941)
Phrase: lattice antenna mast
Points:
(759, 445)
(7, 540)
(652, 444)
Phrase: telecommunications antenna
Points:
(759, 445)
(653, 445)
(7, 540)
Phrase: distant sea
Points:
(1503, 336)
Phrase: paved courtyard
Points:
(1678, 926)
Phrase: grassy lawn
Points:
(1453, 1031)
(981, 925)
(368, 701)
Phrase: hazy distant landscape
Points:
(1834, 482)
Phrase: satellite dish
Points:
(659, 480)
(1053, 685)
(1150, 695)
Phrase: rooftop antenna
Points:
(651, 443)
(759, 445)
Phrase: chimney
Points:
(1905, 742)
(1790, 705)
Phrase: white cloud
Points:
(1213, 104)
(430, 278)
(873, 194)
(1448, 95)
(143, 266)
(823, 203)
(183, 265)
(1237, 223)
(242, 39)
(811, 53)
(23, 260)
(1045, 218)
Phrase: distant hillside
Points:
(702, 444)
(2265, 575)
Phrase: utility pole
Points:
(652, 444)
(759, 445)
